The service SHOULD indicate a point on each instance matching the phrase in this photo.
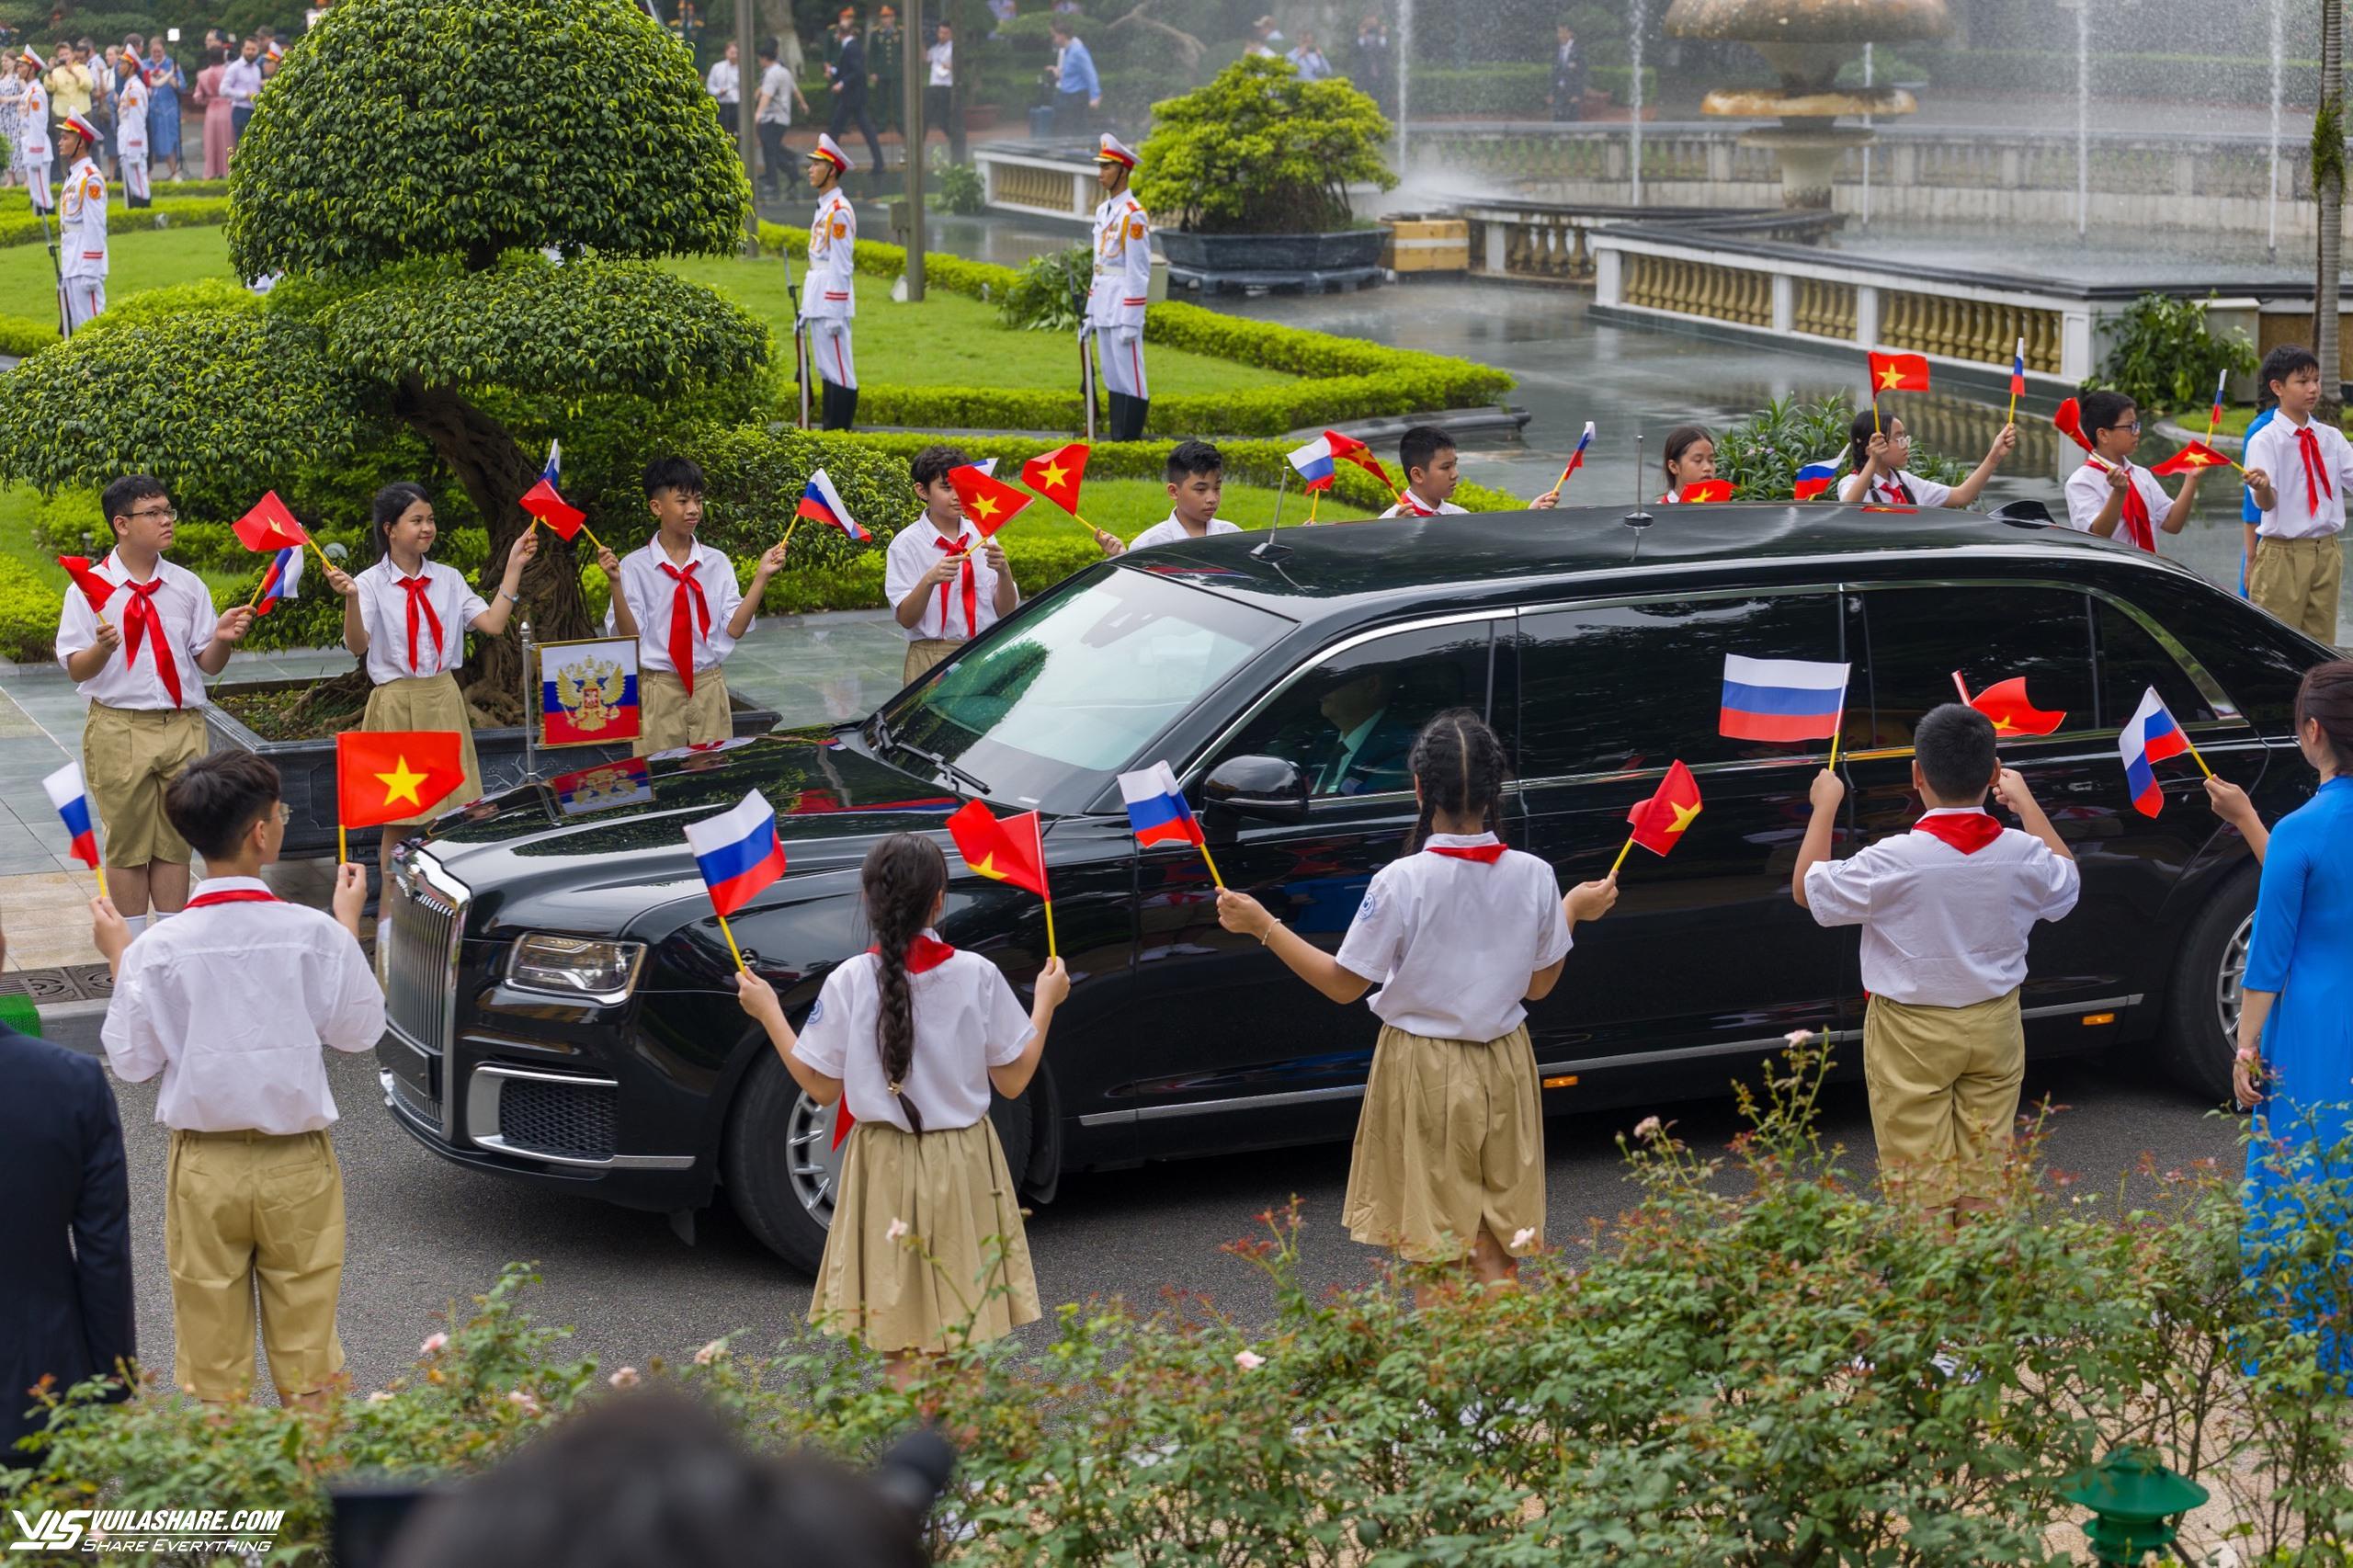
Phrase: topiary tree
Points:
(404, 172)
(1260, 151)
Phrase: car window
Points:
(1920, 638)
(1049, 707)
(2131, 661)
(1349, 722)
(1608, 689)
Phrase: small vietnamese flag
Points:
(2191, 458)
(2069, 417)
(1056, 474)
(988, 501)
(2006, 703)
(1899, 372)
(269, 527)
(389, 776)
(1013, 850)
(95, 588)
(1659, 821)
(1708, 489)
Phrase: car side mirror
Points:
(1267, 787)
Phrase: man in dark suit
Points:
(850, 88)
(1368, 747)
(1568, 76)
(64, 1229)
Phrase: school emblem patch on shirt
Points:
(816, 1011)
(1371, 905)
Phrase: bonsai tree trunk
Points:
(2328, 188)
(496, 472)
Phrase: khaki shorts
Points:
(127, 756)
(1450, 1142)
(2299, 580)
(246, 1212)
(429, 702)
(669, 719)
(1944, 1092)
(926, 655)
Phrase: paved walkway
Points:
(810, 669)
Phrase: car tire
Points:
(2200, 1028)
(781, 1169)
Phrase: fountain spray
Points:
(1634, 54)
(2083, 118)
(1404, 79)
(1867, 146)
(2279, 50)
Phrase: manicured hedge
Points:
(202, 212)
(21, 336)
(29, 611)
(1341, 378)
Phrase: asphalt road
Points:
(423, 1233)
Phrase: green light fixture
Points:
(2136, 1504)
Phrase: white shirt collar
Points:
(1460, 840)
(230, 884)
(1953, 812)
(1357, 736)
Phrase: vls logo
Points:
(51, 1530)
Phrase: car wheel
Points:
(783, 1172)
(2202, 1010)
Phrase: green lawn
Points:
(948, 340)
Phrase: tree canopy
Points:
(1260, 150)
(399, 129)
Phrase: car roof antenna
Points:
(1638, 519)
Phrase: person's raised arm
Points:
(1245, 915)
(1052, 991)
(1826, 794)
(624, 613)
(493, 620)
(759, 999)
(2011, 790)
(2178, 515)
(2230, 803)
(1967, 491)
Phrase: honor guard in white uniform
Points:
(830, 299)
(81, 226)
(131, 133)
(30, 133)
(1115, 303)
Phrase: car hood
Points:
(593, 846)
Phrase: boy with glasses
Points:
(2112, 498)
(141, 661)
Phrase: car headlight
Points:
(576, 966)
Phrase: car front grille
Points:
(418, 933)
(415, 1104)
(572, 1120)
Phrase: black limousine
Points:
(560, 995)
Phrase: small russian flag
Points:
(1576, 459)
(738, 852)
(1816, 476)
(285, 575)
(2017, 369)
(1156, 807)
(72, 803)
(1781, 700)
(2150, 736)
(1313, 461)
(545, 500)
(821, 503)
(2216, 418)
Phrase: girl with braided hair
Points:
(927, 1250)
(1458, 935)
(2295, 1045)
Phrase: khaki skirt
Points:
(1450, 1142)
(429, 702)
(961, 1272)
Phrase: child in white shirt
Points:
(946, 583)
(2110, 494)
(1876, 456)
(1196, 484)
(2297, 469)
(1458, 935)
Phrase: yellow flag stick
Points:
(1315, 498)
(787, 531)
(342, 846)
(1835, 735)
(542, 522)
(1629, 849)
(1212, 866)
(725, 931)
(1050, 929)
(101, 869)
(1875, 429)
(2194, 757)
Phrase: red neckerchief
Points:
(1896, 489)
(1485, 854)
(417, 587)
(2315, 470)
(1670, 498)
(1966, 831)
(687, 597)
(141, 621)
(972, 589)
(1413, 506)
(232, 895)
(2138, 528)
(926, 953)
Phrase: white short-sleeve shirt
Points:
(1452, 943)
(915, 550)
(2275, 449)
(184, 606)
(383, 613)
(1412, 507)
(2086, 490)
(1885, 491)
(231, 1003)
(652, 592)
(1942, 928)
(966, 1021)
(1170, 531)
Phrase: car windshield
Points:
(1044, 712)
